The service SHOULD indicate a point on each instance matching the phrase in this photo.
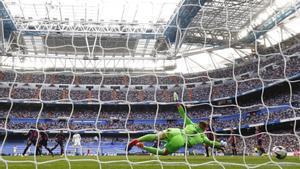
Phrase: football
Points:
(280, 152)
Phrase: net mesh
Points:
(110, 87)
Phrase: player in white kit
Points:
(77, 144)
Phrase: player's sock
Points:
(207, 151)
(131, 144)
(154, 150)
(26, 148)
(62, 150)
(180, 108)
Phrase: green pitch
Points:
(148, 162)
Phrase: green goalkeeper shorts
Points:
(175, 139)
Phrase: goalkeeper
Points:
(176, 138)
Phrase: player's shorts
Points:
(43, 143)
(175, 139)
(59, 142)
(259, 142)
(31, 141)
(233, 145)
(210, 136)
(77, 143)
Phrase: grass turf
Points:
(148, 162)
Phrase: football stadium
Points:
(158, 84)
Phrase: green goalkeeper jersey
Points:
(192, 132)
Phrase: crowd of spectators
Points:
(222, 116)
(267, 100)
(152, 94)
(157, 87)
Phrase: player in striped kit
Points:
(210, 136)
(232, 142)
(60, 140)
(259, 140)
(32, 136)
(43, 141)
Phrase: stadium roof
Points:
(116, 32)
(73, 11)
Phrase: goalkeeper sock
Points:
(154, 150)
(148, 137)
(180, 108)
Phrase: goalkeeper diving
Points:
(176, 138)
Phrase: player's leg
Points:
(261, 150)
(28, 144)
(49, 150)
(38, 150)
(61, 144)
(45, 144)
(153, 137)
(207, 150)
(216, 144)
(174, 139)
(153, 150)
(234, 152)
(61, 148)
(78, 148)
(173, 144)
(147, 138)
(55, 146)
(260, 147)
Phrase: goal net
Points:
(82, 79)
